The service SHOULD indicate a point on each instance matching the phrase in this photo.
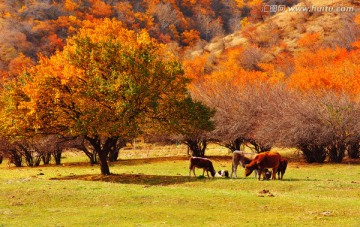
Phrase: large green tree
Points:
(107, 83)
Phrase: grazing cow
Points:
(223, 173)
(202, 163)
(264, 160)
(243, 158)
(282, 168)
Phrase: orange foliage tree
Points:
(309, 41)
(100, 9)
(327, 69)
(107, 83)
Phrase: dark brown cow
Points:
(202, 163)
(282, 168)
(262, 161)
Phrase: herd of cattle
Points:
(258, 163)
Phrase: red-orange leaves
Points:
(326, 69)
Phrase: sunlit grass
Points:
(157, 191)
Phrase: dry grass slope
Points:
(333, 27)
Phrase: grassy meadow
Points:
(151, 187)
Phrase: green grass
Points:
(156, 191)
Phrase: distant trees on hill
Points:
(33, 27)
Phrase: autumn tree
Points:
(191, 124)
(9, 150)
(165, 16)
(320, 126)
(341, 119)
(327, 69)
(293, 122)
(107, 83)
(238, 96)
(100, 8)
(41, 11)
(208, 27)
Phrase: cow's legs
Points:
(259, 173)
(274, 174)
(193, 170)
(233, 170)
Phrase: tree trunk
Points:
(46, 158)
(258, 147)
(235, 145)
(113, 156)
(114, 151)
(36, 157)
(313, 153)
(92, 155)
(103, 150)
(197, 147)
(337, 152)
(57, 156)
(28, 157)
(353, 150)
(104, 166)
(15, 157)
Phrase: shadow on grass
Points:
(153, 180)
(150, 180)
(128, 162)
(140, 161)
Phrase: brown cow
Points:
(202, 163)
(262, 161)
(282, 168)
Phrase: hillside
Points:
(37, 27)
(292, 31)
(191, 29)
